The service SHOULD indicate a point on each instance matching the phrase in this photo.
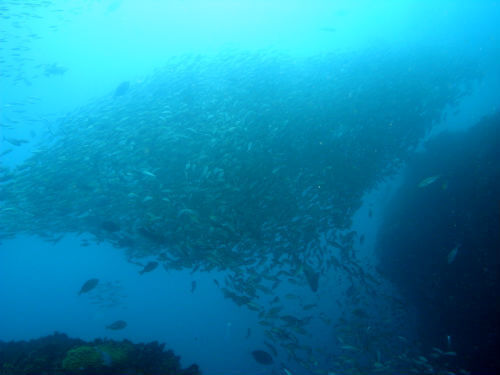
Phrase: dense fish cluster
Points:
(251, 164)
(227, 161)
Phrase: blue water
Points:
(58, 58)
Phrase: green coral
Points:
(115, 352)
(82, 357)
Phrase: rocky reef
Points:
(59, 354)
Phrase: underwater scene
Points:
(254, 187)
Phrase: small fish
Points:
(262, 357)
(193, 286)
(122, 88)
(309, 307)
(216, 283)
(429, 180)
(249, 333)
(312, 277)
(149, 267)
(9, 150)
(328, 29)
(349, 347)
(110, 226)
(114, 6)
(119, 324)
(453, 254)
(88, 286)
(186, 211)
(148, 173)
(195, 269)
(54, 69)
(275, 310)
(15, 142)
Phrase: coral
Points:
(81, 358)
(115, 353)
(60, 355)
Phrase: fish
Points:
(328, 29)
(453, 254)
(428, 181)
(360, 313)
(119, 324)
(253, 306)
(8, 151)
(122, 89)
(312, 277)
(88, 286)
(349, 347)
(309, 306)
(15, 142)
(148, 173)
(149, 267)
(6, 177)
(249, 333)
(54, 69)
(274, 310)
(290, 320)
(193, 286)
(110, 226)
(114, 6)
(262, 357)
(141, 158)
